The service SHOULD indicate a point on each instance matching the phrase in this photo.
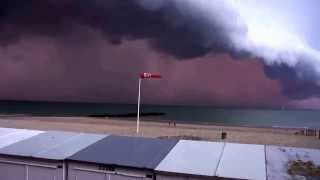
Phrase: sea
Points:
(282, 118)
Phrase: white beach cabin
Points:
(42, 156)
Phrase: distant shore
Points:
(284, 136)
(148, 117)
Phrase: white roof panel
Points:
(279, 157)
(192, 157)
(52, 145)
(242, 161)
(6, 131)
(10, 136)
(72, 146)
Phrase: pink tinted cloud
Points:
(46, 69)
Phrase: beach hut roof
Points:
(242, 161)
(137, 152)
(51, 145)
(10, 136)
(193, 157)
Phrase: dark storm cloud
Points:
(293, 86)
(184, 29)
(101, 72)
(167, 27)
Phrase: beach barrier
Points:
(310, 132)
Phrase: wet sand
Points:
(149, 128)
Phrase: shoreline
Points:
(160, 129)
(157, 120)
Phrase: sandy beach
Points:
(149, 128)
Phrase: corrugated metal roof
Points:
(278, 159)
(10, 136)
(52, 145)
(242, 161)
(193, 157)
(135, 152)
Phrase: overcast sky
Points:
(251, 53)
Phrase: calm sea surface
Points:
(241, 117)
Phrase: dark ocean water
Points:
(190, 114)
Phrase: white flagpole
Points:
(138, 113)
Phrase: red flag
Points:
(149, 76)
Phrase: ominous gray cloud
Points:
(183, 29)
(47, 69)
(175, 27)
